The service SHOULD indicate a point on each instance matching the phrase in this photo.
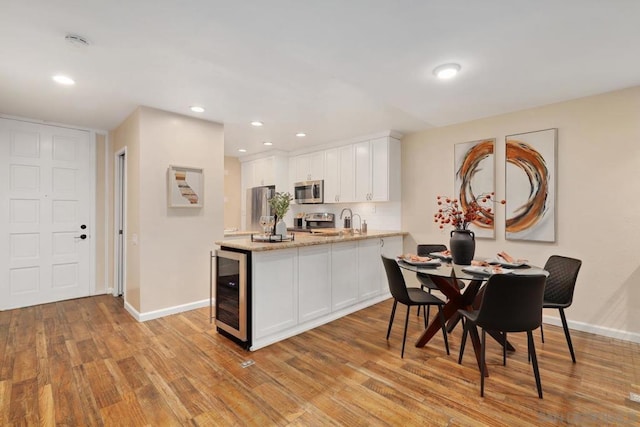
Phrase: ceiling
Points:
(334, 69)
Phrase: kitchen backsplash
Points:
(379, 216)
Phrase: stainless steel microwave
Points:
(307, 192)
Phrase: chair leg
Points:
(444, 329)
(542, 333)
(504, 349)
(534, 359)
(404, 337)
(425, 318)
(393, 313)
(465, 331)
(567, 335)
(482, 357)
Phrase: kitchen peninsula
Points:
(294, 286)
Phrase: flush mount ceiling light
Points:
(446, 71)
(256, 123)
(267, 143)
(301, 134)
(197, 109)
(242, 150)
(63, 80)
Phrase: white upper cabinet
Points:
(339, 175)
(258, 172)
(308, 166)
(377, 170)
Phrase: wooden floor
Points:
(87, 362)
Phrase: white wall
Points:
(174, 243)
(598, 199)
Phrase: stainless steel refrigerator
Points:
(258, 205)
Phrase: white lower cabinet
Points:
(314, 282)
(274, 291)
(344, 275)
(369, 263)
(294, 290)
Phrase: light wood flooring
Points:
(86, 362)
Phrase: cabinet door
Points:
(344, 274)
(379, 188)
(314, 282)
(331, 176)
(362, 171)
(369, 268)
(275, 291)
(309, 166)
(263, 172)
(347, 174)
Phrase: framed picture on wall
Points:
(474, 167)
(185, 187)
(530, 183)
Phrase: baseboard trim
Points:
(156, 314)
(594, 329)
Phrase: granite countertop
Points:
(305, 239)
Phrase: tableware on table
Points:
(419, 261)
(271, 221)
(444, 255)
(486, 271)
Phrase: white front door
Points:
(46, 217)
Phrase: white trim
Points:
(92, 213)
(107, 218)
(595, 329)
(60, 125)
(150, 315)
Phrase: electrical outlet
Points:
(634, 397)
(373, 208)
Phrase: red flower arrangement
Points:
(460, 215)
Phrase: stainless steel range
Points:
(317, 220)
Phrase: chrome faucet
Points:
(359, 229)
(347, 220)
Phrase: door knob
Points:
(82, 236)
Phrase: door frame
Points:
(120, 222)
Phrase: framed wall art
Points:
(475, 178)
(185, 187)
(530, 183)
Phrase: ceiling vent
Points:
(76, 40)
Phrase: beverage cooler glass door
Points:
(231, 293)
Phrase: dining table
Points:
(445, 275)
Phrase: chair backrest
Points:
(397, 286)
(563, 273)
(424, 250)
(512, 303)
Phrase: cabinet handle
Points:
(382, 243)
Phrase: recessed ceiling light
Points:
(242, 150)
(301, 134)
(256, 123)
(446, 71)
(197, 109)
(63, 80)
(267, 143)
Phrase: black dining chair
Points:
(511, 303)
(409, 297)
(561, 282)
(425, 280)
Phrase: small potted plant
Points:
(280, 204)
